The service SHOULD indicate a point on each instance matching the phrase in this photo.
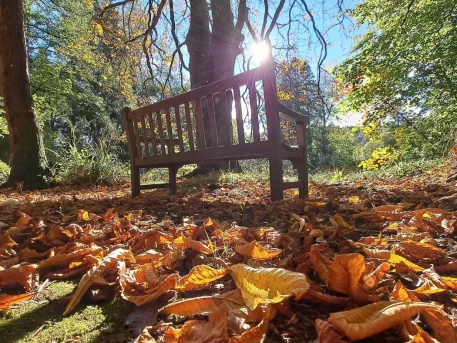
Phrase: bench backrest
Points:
(189, 121)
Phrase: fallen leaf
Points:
(320, 263)
(6, 300)
(255, 251)
(327, 333)
(267, 285)
(96, 273)
(19, 275)
(200, 276)
(228, 301)
(371, 319)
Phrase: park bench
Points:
(196, 127)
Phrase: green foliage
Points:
(4, 172)
(403, 71)
(92, 165)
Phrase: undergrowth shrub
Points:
(4, 172)
(97, 165)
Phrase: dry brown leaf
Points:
(372, 280)
(196, 245)
(142, 285)
(4, 264)
(400, 293)
(322, 298)
(338, 221)
(228, 301)
(255, 251)
(96, 273)
(441, 326)
(377, 253)
(254, 335)
(199, 331)
(23, 221)
(267, 285)
(326, 333)
(346, 276)
(6, 300)
(199, 277)
(371, 319)
(19, 275)
(320, 263)
(421, 250)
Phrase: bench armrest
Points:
(287, 113)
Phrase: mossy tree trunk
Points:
(28, 161)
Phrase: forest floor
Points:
(398, 234)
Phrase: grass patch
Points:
(43, 322)
(396, 170)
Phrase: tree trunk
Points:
(28, 162)
(212, 58)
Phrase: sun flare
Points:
(260, 51)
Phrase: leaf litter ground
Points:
(371, 261)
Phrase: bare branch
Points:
(265, 18)
(275, 18)
(175, 37)
(113, 5)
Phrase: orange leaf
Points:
(193, 331)
(199, 276)
(23, 221)
(196, 245)
(228, 301)
(7, 300)
(257, 252)
(371, 319)
(19, 275)
(322, 298)
(320, 263)
(441, 326)
(400, 293)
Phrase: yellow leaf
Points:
(338, 221)
(371, 319)
(400, 293)
(267, 285)
(354, 199)
(96, 274)
(395, 259)
(196, 245)
(228, 301)
(255, 251)
(199, 276)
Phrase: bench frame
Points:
(142, 138)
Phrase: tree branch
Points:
(275, 18)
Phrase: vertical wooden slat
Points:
(212, 122)
(189, 127)
(171, 143)
(225, 121)
(305, 157)
(239, 115)
(137, 137)
(152, 134)
(144, 133)
(254, 115)
(179, 129)
(199, 128)
(160, 129)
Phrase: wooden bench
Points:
(191, 121)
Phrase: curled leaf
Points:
(96, 274)
(6, 300)
(327, 333)
(228, 301)
(371, 319)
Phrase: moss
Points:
(43, 322)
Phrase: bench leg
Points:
(135, 179)
(302, 171)
(172, 178)
(276, 178)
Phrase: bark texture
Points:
(27, 152)
(212, 57)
